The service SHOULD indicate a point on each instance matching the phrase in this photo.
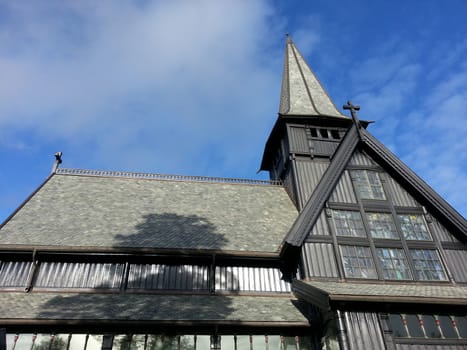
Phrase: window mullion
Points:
(378, 267)
(337, 253)
(399, 229)
(437, 242)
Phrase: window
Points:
(397, 326)
(427, 265)
(130, 341)
(394, 264)
(367, 184)
(414, 228)
(348, 223)
(335, 134)
(381, 225)
(428, 326)
(324, 133)
(358, 262)
(448, 325)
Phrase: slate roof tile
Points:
(92, 211)
(145, 307)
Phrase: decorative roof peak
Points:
(302, 94)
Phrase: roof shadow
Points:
(182, 291)
(173, 231)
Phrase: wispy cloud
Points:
(420, 116)
(135, 76)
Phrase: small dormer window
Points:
(367, 184)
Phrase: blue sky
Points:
(192, 87)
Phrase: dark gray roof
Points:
(145, 307)
(105, 211)
(322, 292)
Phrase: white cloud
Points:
(187, 71)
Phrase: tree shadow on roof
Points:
(149, 291)
(173, 231)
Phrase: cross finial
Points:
(350, 106)
(58, 160)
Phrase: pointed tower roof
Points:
(302, 94)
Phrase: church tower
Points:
(307, 132)
(350, 249)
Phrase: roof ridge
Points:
(167, 177)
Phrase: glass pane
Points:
(394, 264)
(274, 342)
(414, 228)
(414, 326)
(243, 342)
(259, 342)
(427, 265)
(367, 184)
(397, 327)
(23, 341)
(289, 343)
(382, 225)
(462, 326)
(227, 342)
(358, 262)
(348, 223)
(447, 327)
(305, 343)
(431, 329)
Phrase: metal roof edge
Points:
(26, 201)
(164, 177)
(410, 179)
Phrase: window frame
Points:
(358, 258)
(352, 221)
(394, 237)
(360, 183)
(392, 261)
(418, 272)
(413, 225)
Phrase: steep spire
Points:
(302, 93)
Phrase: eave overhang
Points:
(329, 294)
(76, 310)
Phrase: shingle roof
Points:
(302, 93)
(146, 307)
(97, 211)
(324, 291)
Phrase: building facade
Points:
(345, 248)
